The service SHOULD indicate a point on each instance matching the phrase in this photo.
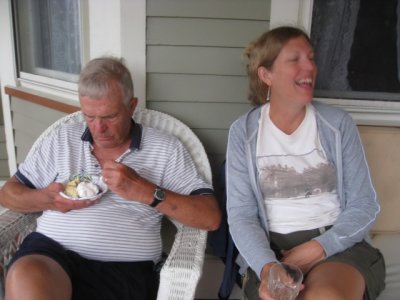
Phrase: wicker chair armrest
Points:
(13, 229)
(182, 270)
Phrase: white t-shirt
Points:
(297, 181)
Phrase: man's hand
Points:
(305, 256)
(200, 211)
(57, 202)
(125, 182)
(18, 197)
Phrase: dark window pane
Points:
(357, 48)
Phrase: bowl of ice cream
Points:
(84, 187)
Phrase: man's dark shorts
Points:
(93, 279)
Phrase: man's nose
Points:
(99, 125)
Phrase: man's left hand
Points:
(125, 182)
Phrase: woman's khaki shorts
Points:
(365, 258)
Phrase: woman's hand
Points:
(263, 291)
(305, 256)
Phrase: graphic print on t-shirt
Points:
(282, 179)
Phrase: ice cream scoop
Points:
(87, 189)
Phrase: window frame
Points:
(364, 112)
(57, 87)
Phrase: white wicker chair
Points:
(182, 270)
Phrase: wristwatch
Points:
(159, 195)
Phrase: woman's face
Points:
(292, 76)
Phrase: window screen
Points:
(357, 45)
(48, 38)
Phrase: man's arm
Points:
(200, 211)
(19, 197)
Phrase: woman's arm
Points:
(245, 226)
(360, 204)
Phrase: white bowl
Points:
(97, 180)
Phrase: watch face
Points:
(160, 194)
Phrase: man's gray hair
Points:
(99, 74)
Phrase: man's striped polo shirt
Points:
(115, 229)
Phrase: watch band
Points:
(159, 196)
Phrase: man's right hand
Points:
(18, 197)
(61, 204)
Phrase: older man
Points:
(104, 249)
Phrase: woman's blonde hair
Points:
(263, 52)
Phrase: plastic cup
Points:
(284, 281)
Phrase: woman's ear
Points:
(264, 74)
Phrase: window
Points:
(367, 107)
(48, 38)
(357, 46)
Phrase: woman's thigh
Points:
(333, 280)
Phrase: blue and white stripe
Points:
(114, 229)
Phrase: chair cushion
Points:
(389, 244)
(382, 146)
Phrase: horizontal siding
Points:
(195, 60)
(29, 121)
(21, 154)
(214, 140)
(33, 130)
(197, 88)
(4, 173)
(34, 111)
(224, 9)
(202, 32)
(200, 116)
(23, 143)
(3, 151)
(2, 133)
(209, 122)
(195, 68)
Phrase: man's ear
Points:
(132, 105)
(264, 74)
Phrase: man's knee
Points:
(35, 266)
(38, 275)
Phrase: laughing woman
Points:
(298, 185)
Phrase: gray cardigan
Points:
(246, 212)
